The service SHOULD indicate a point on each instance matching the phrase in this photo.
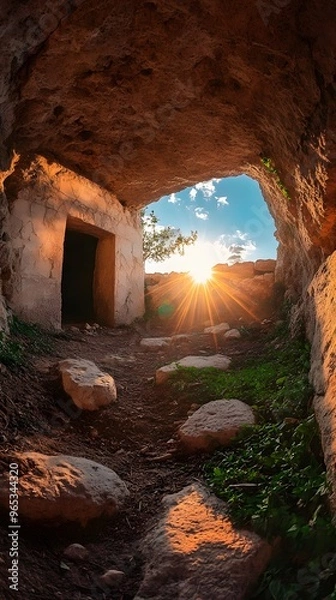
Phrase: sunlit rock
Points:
(89, 387)
(215, 424)
(60, 489)
(196, 552)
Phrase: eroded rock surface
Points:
(61, 489)
(89, 387)
(215, 424)
(217, 361)
(195, 552)
(320, 308)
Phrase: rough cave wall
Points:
(147, 97)
(42, 198)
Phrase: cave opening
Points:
(232, 219)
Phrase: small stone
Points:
(192, 409)
(217, 361)
(232, 334)
(87, 327)
(76, 552)
(112, 578)
(153, 344)
(217, 329)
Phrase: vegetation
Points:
(24, 341)
(273, 477)
(161, 242)
(276, 384)
(270, 168)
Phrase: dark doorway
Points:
(78, 277)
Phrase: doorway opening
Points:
(88, 274)
(79, 261)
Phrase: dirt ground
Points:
(135, 437)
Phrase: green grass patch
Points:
(276, 383)
(24, 341)
(273, 477)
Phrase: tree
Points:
(161, 242)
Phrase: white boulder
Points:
(89, 387)
(215, 424)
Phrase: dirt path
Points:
(134, 437)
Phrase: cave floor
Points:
(135, 437)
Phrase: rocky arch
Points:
(143, 98)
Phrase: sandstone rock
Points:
(265, 266)
(217, 329)
(215, 424)
(233, 334)
(76, 553)
(269, 278)
(217, 361)
(4, 328)
(195, 552)
(89, 388)
(154, 344)
(321, 328)
(60, 489)
(258, 289)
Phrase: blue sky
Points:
(224, 212)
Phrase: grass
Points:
(270, 168)
(273, 477)
(276, 383)
(24, 341)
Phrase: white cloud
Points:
(173, 199)
(227, 243)
(207, 188)
(222, 201)
(201, 214)
(193, 194)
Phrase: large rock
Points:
(196, 553)
(217, 361)
(215, 424)
(60, 489)
(88, 387)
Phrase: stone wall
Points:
(45, 198)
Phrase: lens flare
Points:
(200, 273)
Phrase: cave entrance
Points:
(88, 274)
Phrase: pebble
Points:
(76, 552)
(112, 578)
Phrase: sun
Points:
(201, 273)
